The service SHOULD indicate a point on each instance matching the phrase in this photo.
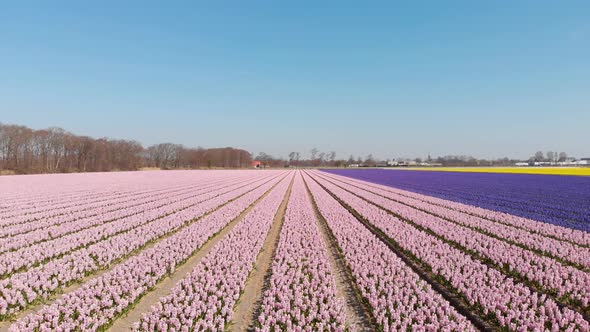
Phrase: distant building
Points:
(402, 163)
(431, 164)
(256, 164)
(521, 164)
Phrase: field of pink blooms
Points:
(180, 251)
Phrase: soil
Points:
(164, 287)
(357, 316)
(251, 299)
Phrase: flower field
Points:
(559, 200)
(576, 171)
(302, 250)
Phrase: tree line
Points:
(53, 150)
(317, 158)
(550, 157)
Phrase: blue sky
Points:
(489, 79)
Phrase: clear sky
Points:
(486, 78)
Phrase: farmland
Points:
(559, 200)
(578, 171)
(294, 250)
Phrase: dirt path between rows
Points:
(357, 316)
(164, 287)
(250, 301)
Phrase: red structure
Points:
(256, 164)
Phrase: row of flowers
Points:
(302, 290)
(557, 200)
(52, 228)
(508, 303)
(30, 256)
(57, 218)
(515, 223)
(60, 203)
(15, 203)
(103, 298)
(106, 189)
(398, 298)
(550, 275)
(205, 298)
(20, 289)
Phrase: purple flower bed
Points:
(554, 199)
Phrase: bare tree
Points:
(314, 152)
(3, 146)
(332, 156)
(562, 156)
(322, 157)
(84, 146)
(350, 160)
(56, 144)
